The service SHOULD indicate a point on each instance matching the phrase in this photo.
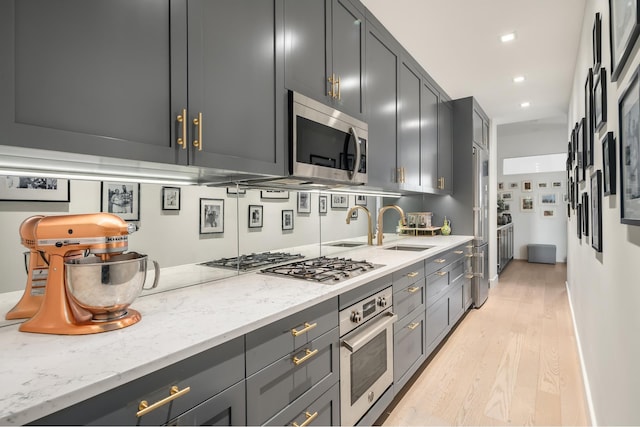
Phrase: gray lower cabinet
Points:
(323, 411)
(437, 322)
(225, 409)
(409, 347)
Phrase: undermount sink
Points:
(408, 248)
(345, 244)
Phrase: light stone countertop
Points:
(45, 373)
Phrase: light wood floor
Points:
(512, 362)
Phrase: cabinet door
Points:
(225, 409)
(445, 146)
(409, 347)
(437, 322)
(382, 107)
(409, 128)
(235, 62)
(429, 138)
(347, 48)
(323, 411)
(478, 128)
(105, 77)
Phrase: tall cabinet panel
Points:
(429, 138)
(105, 77)
(445, 146)
(409, 128)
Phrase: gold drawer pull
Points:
(440, 261)
(441, 273)
(307, 328)
(413, 325)
(198, 124)
(468, 276)
(413, 289)
(182, 141)
(412, 274)
(310, 417)
(144, 408)
(469, 255)
(458, 252)
(308, 354)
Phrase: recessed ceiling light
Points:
(518, 79)
(526, 104)
(508, 37)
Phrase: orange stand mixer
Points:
(62, 238)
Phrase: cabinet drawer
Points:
(409, 298)
(408, 347)
(273, 341)
(224, 409)
(437, 262)
(437, 284)
(437, 320)
(408, 275)
(324, 411)
(456, 270)
(281, 383)
(207, 374)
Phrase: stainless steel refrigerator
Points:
(480, 259)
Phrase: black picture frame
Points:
(596, 210)
(576, 186)
(339, 201)
(609, 164)
(579, 221)
(624, 28)
(322, 204)
(596, 41)
(354, 214)
(361, 200)
(170, 198)
(304, 202)
(580, 144)
(287, 219)
(235, 191)
(629, 152)
(574, 143)
(211, 216)
(34, 189)
(588, 128)
(274, 194)
(256, 215)
(121, 198)
(572, 194)
(585, 214)
(600, 99)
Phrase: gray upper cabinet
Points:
(445, 147)
(429, 138)
(324, 52)
(480, 127)
(409, 128)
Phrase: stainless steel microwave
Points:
(326, 145)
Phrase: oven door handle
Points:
(370, 331)
(356, 163)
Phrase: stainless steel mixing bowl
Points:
(107, 288)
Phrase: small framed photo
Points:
(548, 198)
(361, 200)
(507, 195)
(580, 144)
(548, 212)
(122, 199)
(596, 211)
(588, 128)
(556, 184)
(585, 214)
(339, 201)
(596, 41)
(211, 216)
(600, 100)
(609, 164)
(543, 185)
(500, 186)
(629, 152)
(170, 198)
(287, 219)
(255, 216)
(507, 207)
(354, 214)
(34, 189)
(322, 204)
(274, 194)
(624, 28)
(236, 191)
(579, 220)
(527, 186)
(513, 186)
(526, 204)
(304, 202)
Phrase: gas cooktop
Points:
(323, 269)
(252, 261)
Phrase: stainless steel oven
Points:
(366, 354)
(326, 145)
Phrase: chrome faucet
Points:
(369, 227)
(379, 227)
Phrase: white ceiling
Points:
(458, 43)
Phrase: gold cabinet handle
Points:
(181, 119)
(198, 124)
(308, 354)
(307, 328)
(310, 417)
(441, 273)
(404, 177)
(458, 252)
(413, 325)
(440, 261)
(412, 274)
(413, 289)
(144, 408)
(332, 80)
(469, 255)
(338, 84)
(441, 183)
(468, 276)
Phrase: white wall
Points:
(604, 289)
(528, 139)
(172, 237)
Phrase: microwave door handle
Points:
(356, 163)
(371, 331)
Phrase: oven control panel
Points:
(360, 312)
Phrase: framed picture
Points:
(304, 202)
(596, 211)
(361, 200)
(211, 216)
(339, 201)
(255, 216)
(274, 194)
(170, 198)
(576, 184)
(507, 195)
(501, 186)
(588, 127)
(600, 100)
(548, 198)
(287, 219)
(596, 42)
(121, 198)
(556, 184)
(629, 142)
(572, 194)
(322, 204)
(543, 185)
(354, 214)
(527, 186)
(34, 189)
(585, 214)
(579, 220)
(526, 204)
(513, 186)
(577, 147)
(581, 145)
(507, 207)
(609, 164)
(548, 212)
(236, 190)
(624, 28)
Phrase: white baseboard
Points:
(585, 377)
(494, 281)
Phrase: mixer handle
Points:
(156, 279)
